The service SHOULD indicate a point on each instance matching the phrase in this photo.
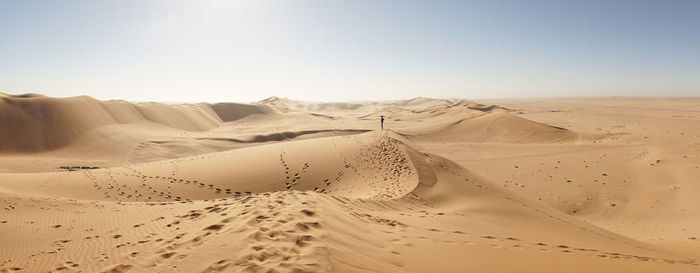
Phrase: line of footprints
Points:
(292, 180)
(111, 187)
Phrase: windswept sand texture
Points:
(594, 185)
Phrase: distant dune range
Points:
(288, 186)
(33, 123)
(36, 123)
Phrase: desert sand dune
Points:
(235, 111)
(503, 127)
(286, 186)
(119, 132)
(34, 123)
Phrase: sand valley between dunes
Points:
(546, 185)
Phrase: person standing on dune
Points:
(382, 122)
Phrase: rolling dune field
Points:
(546, 185)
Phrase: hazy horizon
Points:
(215, 50)
(194, 100)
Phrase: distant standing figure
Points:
(382, 122)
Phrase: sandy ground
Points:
(548, 185)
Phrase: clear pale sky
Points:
(247, 50)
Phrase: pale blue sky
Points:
(246, 50)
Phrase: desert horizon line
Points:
(453, 99)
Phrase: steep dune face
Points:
(188, 117)
(34, 123)
(368, 202)
(185, 117)
(235, 111)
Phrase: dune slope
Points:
(368, 202)
(35, 123)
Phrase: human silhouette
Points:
(382, 122)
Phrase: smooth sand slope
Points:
(285, 186)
